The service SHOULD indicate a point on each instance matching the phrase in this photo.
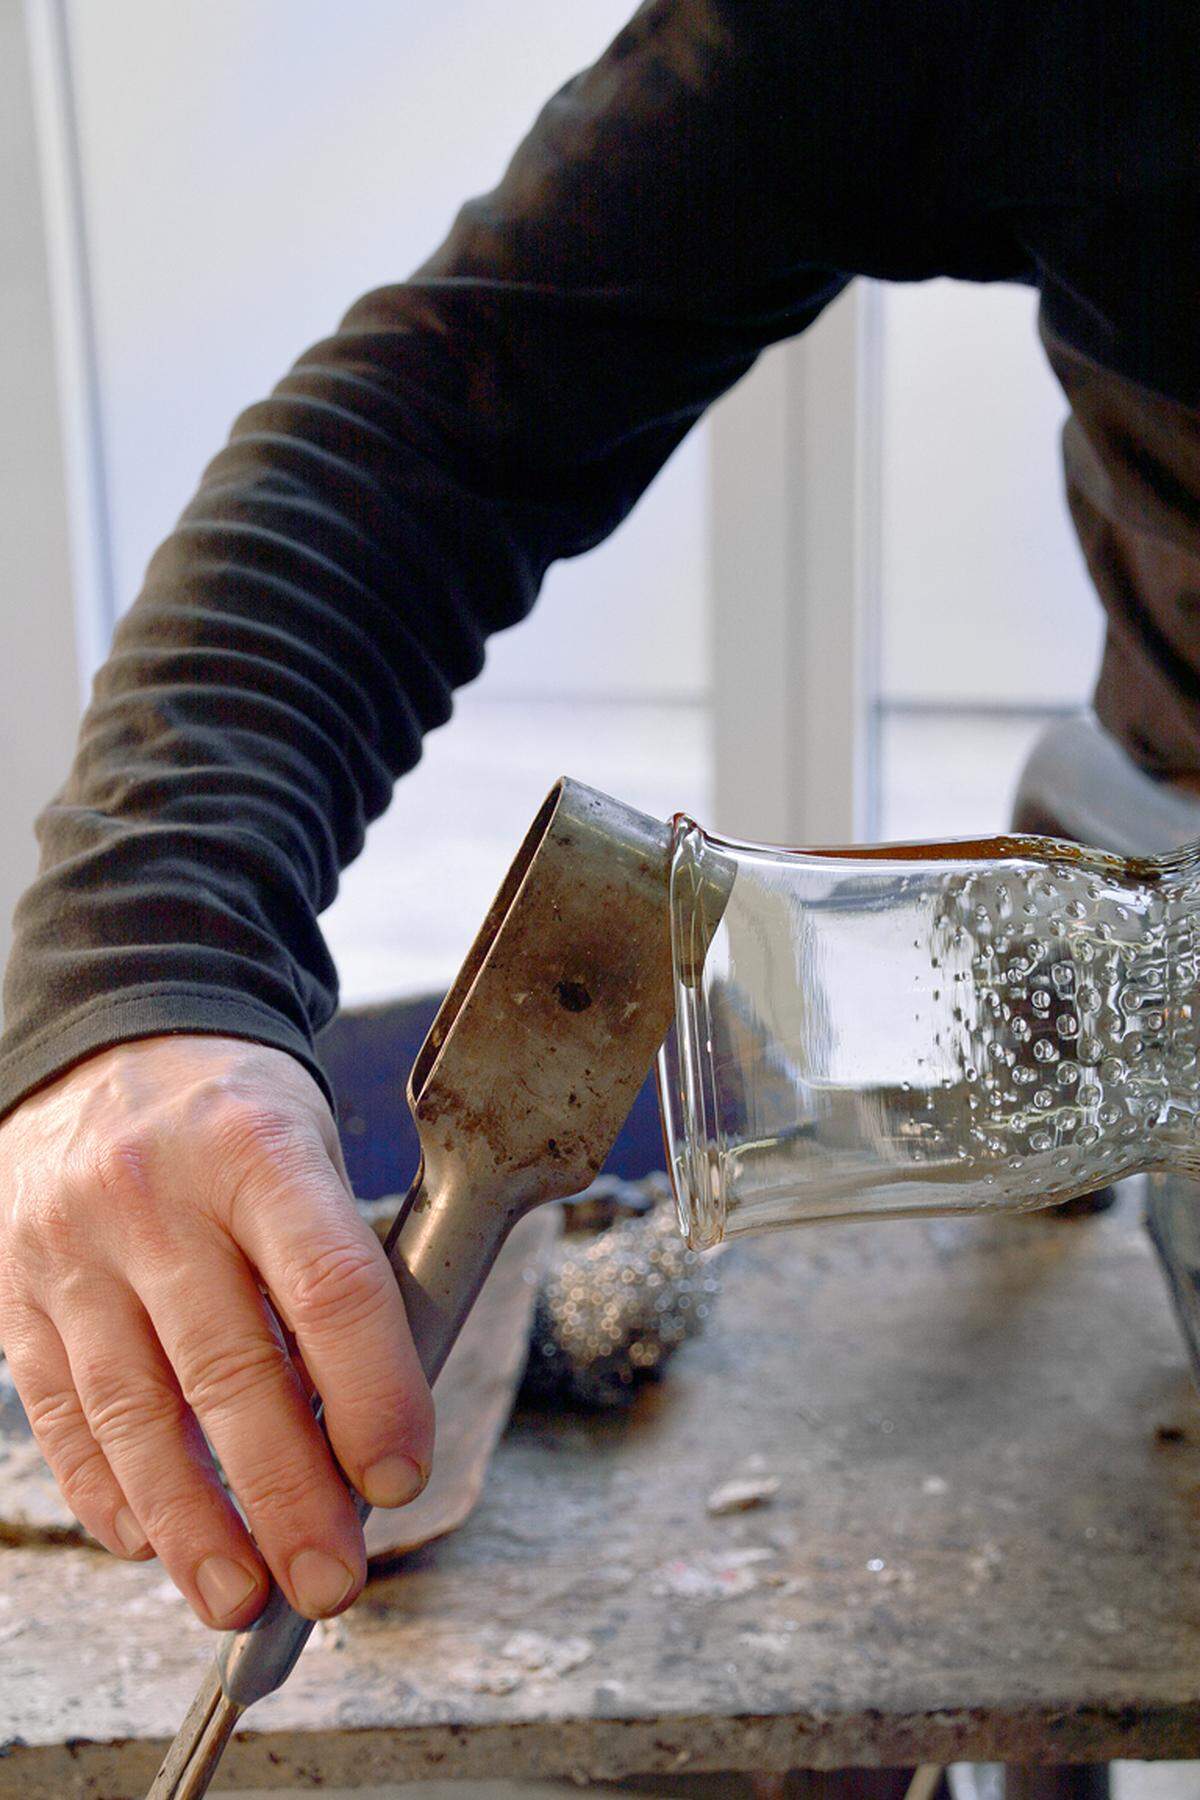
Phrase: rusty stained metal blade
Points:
(523, 1082)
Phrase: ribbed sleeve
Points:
(700, 192)
(396, 498)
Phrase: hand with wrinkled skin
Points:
(147, 1199)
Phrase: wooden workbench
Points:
(985, 1545)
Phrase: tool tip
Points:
(190, 1763)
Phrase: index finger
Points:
(333, 1287)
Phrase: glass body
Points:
(924, 1028)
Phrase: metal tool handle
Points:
(441, 1254)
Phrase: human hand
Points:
(147, 1198)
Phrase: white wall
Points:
(249, 169)
(985, 598)
(38, 680)
(252, 165)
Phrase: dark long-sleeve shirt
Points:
(702, 191)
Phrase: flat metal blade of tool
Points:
(518, 1092)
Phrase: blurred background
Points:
(843, 610)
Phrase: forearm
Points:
(396, 499)
(297, 633)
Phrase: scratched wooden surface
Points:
(985, 1545)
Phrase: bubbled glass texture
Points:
(925, 1029)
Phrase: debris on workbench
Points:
(492, 1677)
(742, 1495)
(540, 1655)
(716, 1575)
(620, 1293)
(328, 1634)
(522, 1656)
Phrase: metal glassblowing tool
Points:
(518, 1092)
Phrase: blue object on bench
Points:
(367, 1053)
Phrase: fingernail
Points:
(224, 1585)
(133, 1538)
(321, 1582)
(393, 1481)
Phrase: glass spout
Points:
(924, 1028)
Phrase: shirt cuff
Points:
(156, 1011)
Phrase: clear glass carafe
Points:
(924, 1028)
